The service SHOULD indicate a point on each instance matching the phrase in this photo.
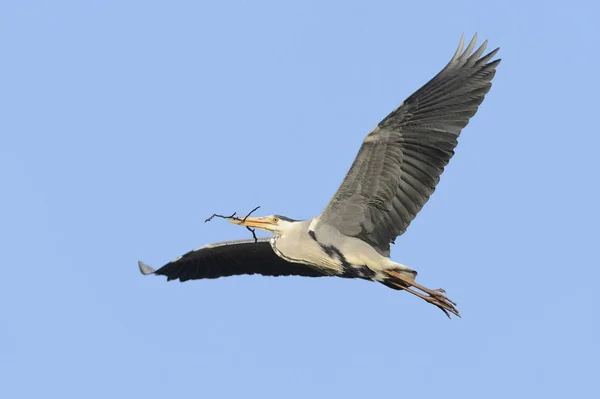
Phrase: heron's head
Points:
(274, 223)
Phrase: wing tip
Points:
(459, 49)
(145, 269)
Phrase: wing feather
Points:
(228, 259)
(401, 160)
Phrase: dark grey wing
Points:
(229, 259)
(401, 160)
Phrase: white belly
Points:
(323, 246)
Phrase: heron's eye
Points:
(275, 219)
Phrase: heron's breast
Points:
(305, 250)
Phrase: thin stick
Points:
(253, 231)
(249, 213)
(220, 216)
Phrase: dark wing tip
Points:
(144, 268)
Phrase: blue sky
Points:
(125, 124)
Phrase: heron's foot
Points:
(435, 297)
(441, 301)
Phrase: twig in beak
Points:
(249, 213)
(253, 231)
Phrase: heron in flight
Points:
(395, 172)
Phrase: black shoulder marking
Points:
(349, 270)
(358, 272)
(330, 250)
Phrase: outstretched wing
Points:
(401, 160)
(228, 259)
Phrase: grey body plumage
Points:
(394, 174)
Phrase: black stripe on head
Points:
(285, 218)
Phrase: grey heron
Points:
(395, 172)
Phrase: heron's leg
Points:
(442, 306)
(435, 297)
(439, 292)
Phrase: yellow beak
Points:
(259, 222)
